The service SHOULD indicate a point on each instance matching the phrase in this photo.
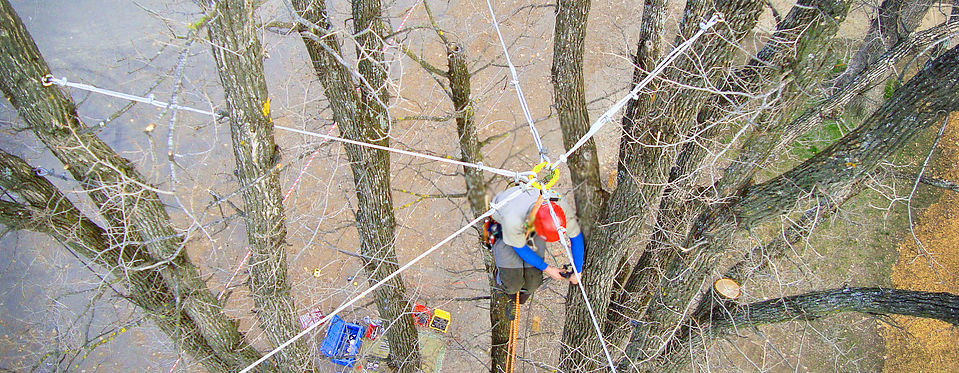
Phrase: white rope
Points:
(49, 79)
(519, 90)
(569, 255)
(498, 171)
(634, 93)
(493, 208)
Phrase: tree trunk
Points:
(642, 178)
(570, 99)
(939, 306)
(476, 189)
(238, 54)
(364, 117)
(725, 318)
(648, 52)
(806, 27)
(125, 198)
(44, 209)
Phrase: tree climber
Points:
(520, 268)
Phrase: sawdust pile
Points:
(924, 345)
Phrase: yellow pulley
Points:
(554, 177)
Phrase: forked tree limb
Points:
(126, 200)
(42, 208)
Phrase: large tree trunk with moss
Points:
(126, 200)
(924, 100)
(239, 58)
(42, 208)
(771, 138)
(644, 172)
(360, 112)
(807, 26)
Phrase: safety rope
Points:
(480, 166)
(50, 80)
(634, 93)
(569, 255)
(519, 90)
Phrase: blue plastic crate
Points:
(342, 342)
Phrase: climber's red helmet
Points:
(545, 225)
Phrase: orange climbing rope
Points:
(513, 331)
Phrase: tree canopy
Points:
(706, 176)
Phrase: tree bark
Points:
(569, 94)
(44, 209)
(363, 117)
(238, 55)
(648, 52)
(644, 172)
(125, 198)
(476, 188)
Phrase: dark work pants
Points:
(514, 279)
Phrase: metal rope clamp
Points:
(554, 176)
(47, 80)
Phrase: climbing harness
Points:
(492, 232)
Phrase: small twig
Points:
(929, 180)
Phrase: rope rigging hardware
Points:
(553, 176)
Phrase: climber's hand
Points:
(554, 273)
(575, 277)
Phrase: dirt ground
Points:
(924, 345)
